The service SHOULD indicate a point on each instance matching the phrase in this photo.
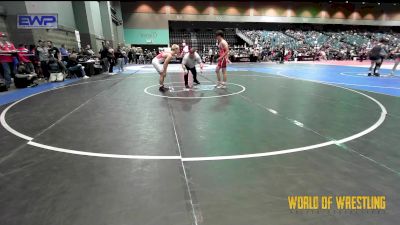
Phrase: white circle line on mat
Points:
(146, 90)
(380, 120)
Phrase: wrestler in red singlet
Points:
(222, 60)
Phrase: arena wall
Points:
(154, 16)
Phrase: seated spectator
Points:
(88, 51)
(56, 69)
(64, 53)
(74, 67)
(25, 77)
(23, 57)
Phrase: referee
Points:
(189, 62)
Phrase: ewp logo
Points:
(48, 21)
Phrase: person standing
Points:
(111, 60)
(257, 55)
(211, 55)
(130, 56)
(120, 58)
(222, 60)
(189, 62)
(104, 56)
(43, 54)
(396, 54)
(376, 55)
(53, 51)
(7, 49)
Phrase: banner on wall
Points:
(78, 39)
(147, 36)
(34, 21)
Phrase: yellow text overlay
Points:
(341, 202)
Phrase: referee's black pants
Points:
(194, 73)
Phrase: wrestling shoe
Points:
(377, 74)
(163, 89)
(196, 82)
(369, 74)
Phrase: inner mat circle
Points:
(203, 91)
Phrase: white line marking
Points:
(300, 124)
(207, 158)
(105, 155)
(361, 85)
(183, 165)
(256, 155)
(365, 75)
(273, 111)
(10, 129)
(23, 136)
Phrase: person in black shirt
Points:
(104, 56)
(376, 55)
(130, 56)
(53, 50)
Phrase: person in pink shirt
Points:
(23, 57)
(7, 49)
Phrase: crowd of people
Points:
(318, 45)
(43, 61)
(28, 65)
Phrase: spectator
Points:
(23, 57)
(211, 55)
(111, 60)
(125, 54)
(53, 51)
(141, 59)
(64, 53)
(120, 58)
(6, 50)
(33, 58)
(55, 68)
(130, 55)
(74, 67)
(42, 52)
(104, 56)
(88, 51)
